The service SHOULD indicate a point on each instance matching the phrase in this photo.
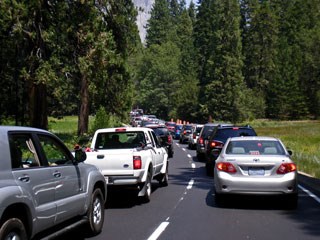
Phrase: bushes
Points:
(104, 120)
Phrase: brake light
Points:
(137, 164)
(169, 139)
(201, 140)
(194, 136)
(215, 144)
(121, 130)
(184, 132)
(226, 167)
(286, 168)
(235, 128)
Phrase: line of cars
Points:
(243, 163)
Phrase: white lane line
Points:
(193, 165)
(309, 193)
(158, 231)
(191, 182)
(189, 156)
(183, 149)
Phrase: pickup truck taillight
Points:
(137, 164)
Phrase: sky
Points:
(188, 2)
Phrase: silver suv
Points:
(42, 185)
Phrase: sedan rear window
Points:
(255, 147)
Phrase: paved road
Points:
(186, 210)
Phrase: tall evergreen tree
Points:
(186, 96)
(219, 45)
(159, 25)
(285, 99)
(259, 37)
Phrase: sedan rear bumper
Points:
(226, 183)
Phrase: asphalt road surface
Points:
(186, 210)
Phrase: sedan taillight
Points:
(137, 164)
(286, 168)
(169, 139)
(226, 167)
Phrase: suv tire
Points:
(96, 212)
(13, 228)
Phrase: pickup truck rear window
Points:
(116, 140)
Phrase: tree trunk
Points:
(83, 118)
(38, 109)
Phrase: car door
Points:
(34, 179)
(159, 152)
(69, 189)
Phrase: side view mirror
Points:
(290, 152)
(79, 154)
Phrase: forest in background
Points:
(219, 60)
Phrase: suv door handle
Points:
(25, 178)
(57, 174)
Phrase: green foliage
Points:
(221, 59)
(302, 137)
(104, 120)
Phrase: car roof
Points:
(257, 138)
(123, 129)
(217, 124)
(5, 129)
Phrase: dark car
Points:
(203, 138)
(165, 136)
(186, 130)
(177, 130)
(218, 138)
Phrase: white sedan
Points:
(256, 166)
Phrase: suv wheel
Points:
(13, 228)
(96, 212)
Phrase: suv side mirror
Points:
(79, 154)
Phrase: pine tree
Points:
(259, 38)
(219, 45)
(159, 25)
(285, 99)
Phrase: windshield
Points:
(114, 140)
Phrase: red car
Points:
(171, 126)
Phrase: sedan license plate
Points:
(256, 171)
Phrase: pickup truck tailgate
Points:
(112, 162)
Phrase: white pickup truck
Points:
(130, 156)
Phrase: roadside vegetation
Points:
(302, 137)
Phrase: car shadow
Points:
(126, 198)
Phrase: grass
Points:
(302, 137)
